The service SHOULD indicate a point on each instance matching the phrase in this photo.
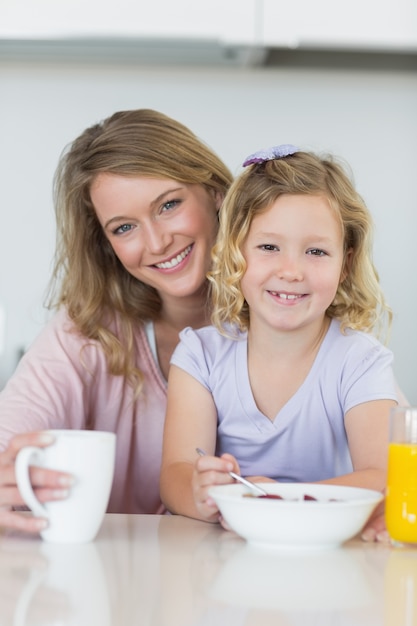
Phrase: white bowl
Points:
(337, 514)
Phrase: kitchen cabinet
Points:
(368, 25)
(230, 21)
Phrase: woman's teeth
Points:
(175, 260)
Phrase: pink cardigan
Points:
(63, 382)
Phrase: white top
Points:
(307, 439)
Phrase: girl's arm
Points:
(191, 422)
(367, 429)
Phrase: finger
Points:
(42, 477)
(39, 477)
(22, 521)
(10, 496)
(223, 523)
(37, 438)
(215, 463)
(211, 478)
(231, 462)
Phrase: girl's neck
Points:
(285, 357)
(289, 345)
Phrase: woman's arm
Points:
(191, 422)
(49, 389)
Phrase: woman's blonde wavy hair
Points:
(359, 302)
(88, 279)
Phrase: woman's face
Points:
(161, 230)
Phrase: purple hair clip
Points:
(276, 152)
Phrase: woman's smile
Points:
(175, 261)
(162, 231)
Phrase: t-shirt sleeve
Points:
(368, 376)
(52, 383)
(191, 356)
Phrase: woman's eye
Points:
(124, 228)
(168, 206)
(317, 252)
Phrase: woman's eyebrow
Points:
(154, 202)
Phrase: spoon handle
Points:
(239, 478)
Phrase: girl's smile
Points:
(294, 257)
(287, 297)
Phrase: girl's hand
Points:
(210, 471)
(48, 484)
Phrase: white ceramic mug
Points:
(90, 457)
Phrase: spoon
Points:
(239, 478)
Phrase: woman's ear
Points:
(218, 198)
(347, 264)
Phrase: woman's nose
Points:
(156, 237)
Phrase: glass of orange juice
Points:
(401, 500)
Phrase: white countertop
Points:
(172, 571)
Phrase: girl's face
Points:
(294, 255)
(161, 230)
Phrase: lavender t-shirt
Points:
(307, 439)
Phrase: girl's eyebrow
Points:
(156, 201)
(316, 238)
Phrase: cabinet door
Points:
(230, 21)
(341, 24)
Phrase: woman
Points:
(136, 199)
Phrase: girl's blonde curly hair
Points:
(359, 302)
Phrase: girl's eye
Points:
(124, 228)
(269, 247)
(317, 252)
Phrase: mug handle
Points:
(24, 459)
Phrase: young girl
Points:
(289, 384)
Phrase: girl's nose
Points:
(289, 268)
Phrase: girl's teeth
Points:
(286, 296)
(173, 262)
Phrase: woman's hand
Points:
(375, 529)
(47, 484)
(210, 471)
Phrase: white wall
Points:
(369, 118)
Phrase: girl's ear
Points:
(347, 264)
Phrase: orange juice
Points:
(401, 501)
